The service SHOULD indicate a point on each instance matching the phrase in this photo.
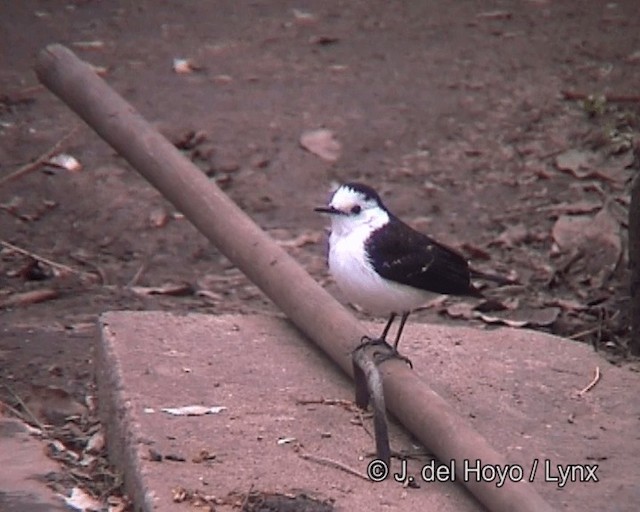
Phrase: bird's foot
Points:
(389, 353)
(394, 354)
(366, 341)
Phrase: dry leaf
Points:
(323, 40)
(90, 401)
(596, 238)
(308, 237)
(158, 217)
(475, 252)
(304, 16)
(203, 455)
(575, 162)
(577, 207)
(495, 15)
(80, 500)
(490, 305)
(35, 270)
(568, 304)
(172, 289)
(99, 70)
(222, 79)
(52, 405)
(614, 173)
(64, 161)
(193, 410)
(96, 443)
(89, 45)
(117, 504)
(57, 446)
(209, 295)
(184, 66)
(460, 310)
(522, 318)
(189, 140)
(512, 236)
(436, 303)
(322, 143)
(581, 164)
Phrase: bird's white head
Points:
(355, 206)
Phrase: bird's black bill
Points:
(327, 209)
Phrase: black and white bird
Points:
(385, 266)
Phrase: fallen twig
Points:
(41, 160)
(23, 95)
(361, 419)
(59, 266)
(26, 409)
(590, 386)
(346, 404)
(246, 498)
(584, 333)
(14, 411)
(136, 277)
(27, 298)
(99, 271)
(324, 461)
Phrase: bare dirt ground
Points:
(464, 115)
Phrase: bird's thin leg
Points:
(392, 317)
(403, 320)
(394, 354)
(382, 340)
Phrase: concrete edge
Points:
(121, 431)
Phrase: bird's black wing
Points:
(401, 254)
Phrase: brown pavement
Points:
(23, 469)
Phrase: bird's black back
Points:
(401, 254)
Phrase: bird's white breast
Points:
(360, 283)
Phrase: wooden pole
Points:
(309, 306)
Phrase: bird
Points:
(385, 266)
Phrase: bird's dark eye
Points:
(356, 209)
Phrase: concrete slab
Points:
(517, 387)
(24, 468)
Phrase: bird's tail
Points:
(501, 280)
